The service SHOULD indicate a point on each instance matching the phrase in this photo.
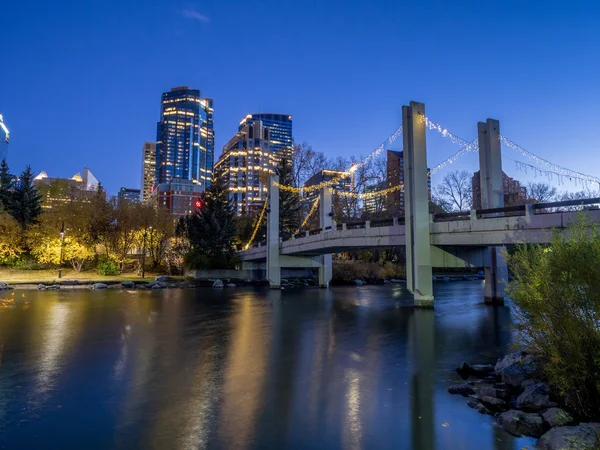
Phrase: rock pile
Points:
(513, 392)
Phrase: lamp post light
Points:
(62, 241)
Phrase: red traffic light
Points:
(198, 204)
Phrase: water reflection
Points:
(344, 368)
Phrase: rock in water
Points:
(556, 417)
(581, 437)
(464, 370)
(521, 423)
(99, 286)
(3, 286)
(513, 375)
(463, 389)
(217, 284)
(509, 360)
(41, 287)
(163, 278)
(490, 391)
(535, 397)
(492, 403)
(128, 284)
(482, 370)
(479, 407)
(231, 285)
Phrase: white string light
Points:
(465, 146)
(550, 168)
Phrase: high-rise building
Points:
(4, 138)
(148, 169)
(130, 195)
(185, 137)
(56, 191)
(280, 131)
(514, 193)
(178, 197)
(344, 182)
(395, 176)
(244, 165)
(374, 205)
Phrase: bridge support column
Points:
(273, 263)
(492, 196)
(325, 220)
(416, 206)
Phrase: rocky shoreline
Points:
(523, 404)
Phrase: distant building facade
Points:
(4, 138)
(395, 176)
(185, 138)
(58, 191)
(148, 170)
(344, 182)
(373, 205)
(280, 132)
(514, 193)
(178, 197)
(130, 195)
(244, 165)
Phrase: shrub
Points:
(107, 267)
(557, 291)
(345, 272)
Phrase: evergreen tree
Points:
(25, 204)
(6, 186)
(212, 229)
(289, 202)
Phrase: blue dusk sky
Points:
(80, 81)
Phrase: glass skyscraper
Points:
(4, 137)
(185, 139)
(280, 131)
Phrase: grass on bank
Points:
(12, 276)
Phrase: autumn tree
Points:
(11, 244)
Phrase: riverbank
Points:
(514, 391)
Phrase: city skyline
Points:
(103, 64)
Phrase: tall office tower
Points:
(148, 170)
(244, 165)
(395, 176)
(185, 139)
(4, 138)
(280, 129)
(128, 194)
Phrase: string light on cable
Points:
(348, 172)
(550, 168)
(366, 195)
(257, 226)
(465, 145)
(314, 207)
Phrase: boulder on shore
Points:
(492, 403)
(535, 397)
(156, 285)
(41, 287)
(4, 286)
(463, 389)
(217, 284)
(99, 286)
(556, 417)
(513, 375)
(163, 278)
(509, 360)
(128, 284)
(54, 287)
(520, 423)
(581, 437)
(479, 407)
(490, 391)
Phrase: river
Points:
(246, 368)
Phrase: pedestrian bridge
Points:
(446, 231)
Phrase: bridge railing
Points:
(518, 210)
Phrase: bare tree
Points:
(541, 192)
(305, 163)
(455, 191)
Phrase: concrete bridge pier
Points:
(325, 221)
(416, 206)
(273, 262)
(492, 196)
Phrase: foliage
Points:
(10, 238)
(211, 231)
(345, 272)
(6, 186)
(25, 203)
(289, 203)
(455, 192)
(557, 291)
(107, 267)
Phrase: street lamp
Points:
(62, 241)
